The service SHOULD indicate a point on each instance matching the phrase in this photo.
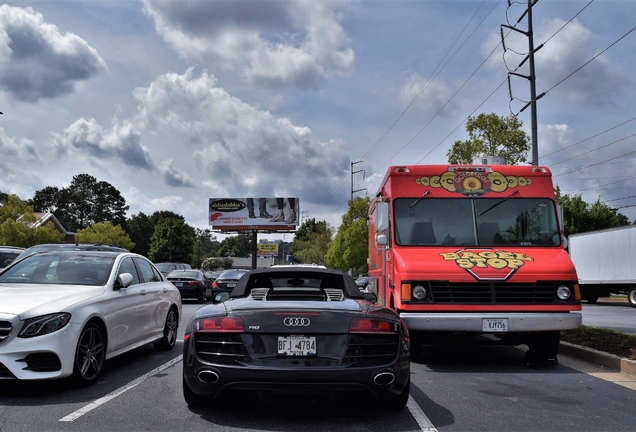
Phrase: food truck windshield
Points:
(507, 220)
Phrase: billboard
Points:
(246, 213)
(267, 249)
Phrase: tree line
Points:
(96, 212)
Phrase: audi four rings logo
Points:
(296, 322)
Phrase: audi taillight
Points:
(219, 324)
(372, 325)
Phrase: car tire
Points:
(631, 296)
(201, 296)
(400, 400)
(591, 299)
(543, 346)
(192, 398)
(90, 355)
(169, 338)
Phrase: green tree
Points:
(12, 207)
(172, 241)
(236, 246)
(140, 228)
(205, 245)
(16, 219)
(212, 263)
(491, 135)
(84, 202)
(311, 242)
(105, 233)
(580, 217)
(14, 233)
(350, 248)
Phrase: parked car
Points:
(166, 268)
(212, 275)
(65, 312)
(227, 280)
(45, 247)
(8, 254)
(192, 284)
(296, 330)
(362, 282)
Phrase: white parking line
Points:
(423, 422)
(91, 406)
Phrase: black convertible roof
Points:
(248, 281)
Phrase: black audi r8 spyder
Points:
(296, 330)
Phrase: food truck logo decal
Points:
(473, 183)
(488, 264)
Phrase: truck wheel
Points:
(591, 299)
(543, 346)
(631, 296)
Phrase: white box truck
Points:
(605, 262)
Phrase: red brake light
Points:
(219, 324)
(371, 325)
(215, 285)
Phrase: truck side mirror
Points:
(382, 220)
(380, 240)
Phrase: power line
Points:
(590, 60)
(587, 139)
(593, 150)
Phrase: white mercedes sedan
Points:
(64, 313)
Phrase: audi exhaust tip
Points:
(208, 377)
(384, 379)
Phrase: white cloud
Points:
(37, 62)
(16, 151)
(86, 138)
(271, 42)
(424, 94)
(173, 176)
(236, 149)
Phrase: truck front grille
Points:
(493, 292)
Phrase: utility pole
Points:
(531, 77)
(354, 172)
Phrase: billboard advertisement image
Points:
(253, 212)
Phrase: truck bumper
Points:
(473, 322)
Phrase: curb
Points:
(609, 361)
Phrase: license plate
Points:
(296, 345)
(178, 284)
(495, 325)
(231, 285)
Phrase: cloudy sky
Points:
(173, 102)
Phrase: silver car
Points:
(64, 313)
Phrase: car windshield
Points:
(231, 274)
(476, 221)
(67, 269)
(184, 274)
(165, 267)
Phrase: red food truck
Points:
(474, 249)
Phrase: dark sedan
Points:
(191, 284)
(227, 280)
(295, 330)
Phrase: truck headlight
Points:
(564, 292)
(419, 292)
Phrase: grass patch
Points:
(606, 340)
